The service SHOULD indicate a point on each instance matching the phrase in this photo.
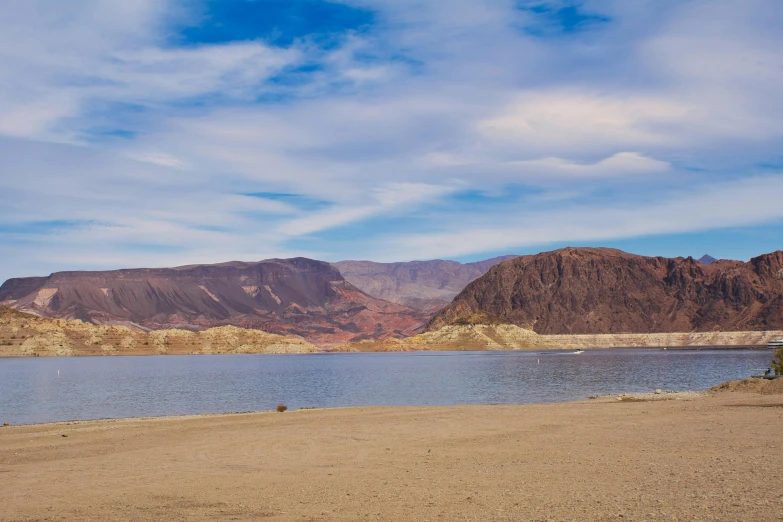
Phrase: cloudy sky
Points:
(168, 132)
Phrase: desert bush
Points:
(281, 408)
(777, 362)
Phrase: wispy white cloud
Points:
(61, 59)
(747, 202)
(622, 163)
(387, 200)
(566, 120)
(157, 158)
(634, 125)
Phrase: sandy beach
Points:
(715, 457)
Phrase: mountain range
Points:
(282, 296)
(566, 291)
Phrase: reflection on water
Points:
(31, 390)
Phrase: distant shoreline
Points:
(25, 335)
(421, 350)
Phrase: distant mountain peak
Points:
(421, 285)
(706, 259)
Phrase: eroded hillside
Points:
(25, 335)
(605, 291)
(300, 297)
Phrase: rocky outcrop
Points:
(421, 285)
(465, 337)
(661, 340)
(25, 335)
(298, 296)
(605, 291)
(511, 337)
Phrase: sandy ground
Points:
(713, 457)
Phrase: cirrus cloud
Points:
(429, 129)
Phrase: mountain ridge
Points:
(595, 290)
(297, 296)
(422, 285)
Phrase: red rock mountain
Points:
(596, 290)
(284, 296)
(421, 285)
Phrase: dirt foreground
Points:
(715, 457)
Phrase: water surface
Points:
(32, 391)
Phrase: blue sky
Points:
(170, 132)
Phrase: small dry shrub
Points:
(777, 362)
(281, 408)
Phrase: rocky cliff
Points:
(469, 336)
(298, 296)
(421, 285)
(758, 339)
(604, 291)
(26, 335)
(463, 337)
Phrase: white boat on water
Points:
(577, 352)
(775, 343)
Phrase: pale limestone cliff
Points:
(25, 335)
(510, 337)
(459, 337)
(666, 339)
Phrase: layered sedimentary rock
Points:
(422, 285)
(511, 337)
(26, 335)
(660, 340)
(298, 296)
(459, 337)
(605, 291)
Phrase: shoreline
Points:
(24, 335)
(665, 395)
(652, 396)
(195, 416)
(700, 459)
(695, 347)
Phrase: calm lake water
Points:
(31, 391)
